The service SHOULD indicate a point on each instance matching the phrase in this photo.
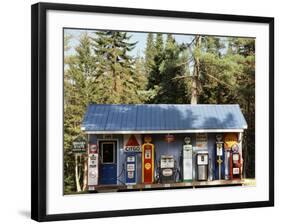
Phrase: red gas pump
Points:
(147, 161)
(235, 163)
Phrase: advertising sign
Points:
(230, 139)
(79, 147)
(132, 143)
(201, 141)
(169, 138)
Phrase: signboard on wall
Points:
(230, 139)
(79, 147)
(201, 141)
(169, 138)
(132, 143)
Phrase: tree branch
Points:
(219, 81)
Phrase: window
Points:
(108, 152)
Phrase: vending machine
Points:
(131, 165)
(235, 163)
(93, 166)
(187, 160)
(167, 169)
(202, 162)
(147, 161)
(220, 158)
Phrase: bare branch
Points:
(219, 81)
(181, 77)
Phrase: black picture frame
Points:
(39, 108)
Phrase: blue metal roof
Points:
(161, 117)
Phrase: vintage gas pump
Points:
(219, 162)
(167, 169)
(131, 171)
(93, 166)
(230, 139)
(202, 165)
(147, 161)
(235, 163)
(187, 160)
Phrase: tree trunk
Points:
(77, 175)
(196, 72)
(85, 174)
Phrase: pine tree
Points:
(154, 77)
(78, 89)
(244, 51)
(115, 68)
(140, 77)
(149, 53)
(171, 89)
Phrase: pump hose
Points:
(117, 178)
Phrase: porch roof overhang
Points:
(168, 131)
(162, 118)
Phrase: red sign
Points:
(132, 145)
(147, 163)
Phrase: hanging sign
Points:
(132, 143)
(230, 139)
(201, 141)
(169, 138)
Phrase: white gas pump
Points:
(93, 167)
(187, 160)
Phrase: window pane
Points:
(108, 153)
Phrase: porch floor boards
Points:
(156, 186)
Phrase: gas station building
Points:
(158, 146)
